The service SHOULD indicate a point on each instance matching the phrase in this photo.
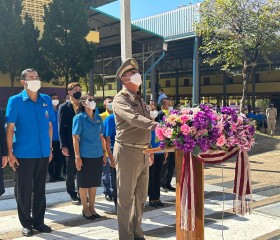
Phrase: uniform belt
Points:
(142, 146)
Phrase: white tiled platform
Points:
(247, 227)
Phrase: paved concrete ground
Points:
(263, 223)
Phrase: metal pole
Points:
(152, 80)
(177, 87)
(254, 90)
(103, 81)
(196, 77)
(143, 70)
(126, 44)
(91, 88)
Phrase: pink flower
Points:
(185, 129)
(184, 118)
(168, 132)
(185, 110)
(221, 141)
(159, 133)
(220, 126)
(240, 120)
(200, 133)
(233, 127)
(172, 119)
(193, 130)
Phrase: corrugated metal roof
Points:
(175, 24)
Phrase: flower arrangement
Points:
(201, 128)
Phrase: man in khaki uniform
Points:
(271, 114)
(133, 135)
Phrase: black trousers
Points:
(114, 185)
(154, 177)
(30, 183)
(56, 164)
(70, 173)
(2, 189)
(167, 171)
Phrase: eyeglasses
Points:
(33, 79)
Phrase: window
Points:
(206, 81)
(149, 85)
(230, 80)
(262, 68)
(275, 67)
(257, 78)
(186, 82)
(167, 83)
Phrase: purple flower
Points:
(206, 128)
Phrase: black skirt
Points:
(90, 173)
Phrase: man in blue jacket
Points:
(31, 113)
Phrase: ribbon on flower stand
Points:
(242, 183)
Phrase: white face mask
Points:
(170, 109)
(91, 104)
(136, 79)
(110, 106)
(33, 85)
(153, 114)
(55, 102)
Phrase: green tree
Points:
(11, 38)
(235, 33)
(32, 56)
(31, 49)
(63, 43)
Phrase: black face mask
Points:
(77, 95)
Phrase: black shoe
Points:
(76, 200)
(91, 217)
(153, 204)
(27, 232)
(160, 203)
(52, 179)
(109, 198)
(43, 228)
(96, 215)
(163, 189)
(170, 188)
(60, 178)
(139, 238)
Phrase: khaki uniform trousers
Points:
(132, 186)
(271, 126)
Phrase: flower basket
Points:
(210, 137)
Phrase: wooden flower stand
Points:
(198, 233)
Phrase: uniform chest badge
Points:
(46, 114)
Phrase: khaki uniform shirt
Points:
(271, 113)
(133, 123)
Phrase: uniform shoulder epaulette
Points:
(124, 92)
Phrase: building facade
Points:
(35, 9)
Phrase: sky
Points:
(145, 8)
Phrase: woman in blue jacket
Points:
(89, 147)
